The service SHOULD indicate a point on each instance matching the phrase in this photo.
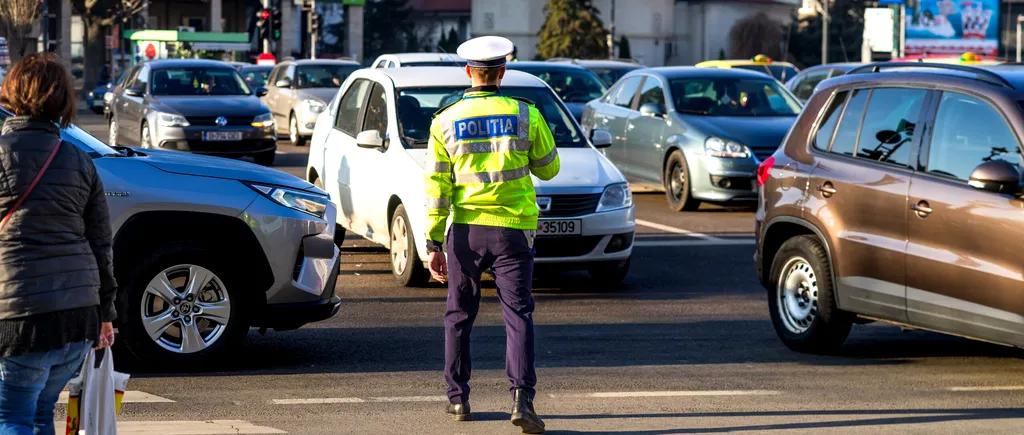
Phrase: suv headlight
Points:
(718, 147)
(305, 202)
(170, 120)
(313, 106)
(615, 197)
(265, 120)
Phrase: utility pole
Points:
(611, 34)
(315, 18)
(824, 32)
(46, 26)
(266, 41)
(1020, 19)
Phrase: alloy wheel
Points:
(112, 134)
(293, 131)
(185, 309)
(797, 295)
(147, 139)
(399, 245)
(677, 181)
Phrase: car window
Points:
(290, 73)
(572, 86)
(969, 132)
(845, 140)
(323, 76)
(829, 121)
(130, 80)
(391, 64)
(889, 125)
(805, 88)
(198, 81)
(276, 74)
(731, 96)
(351, 105)
(142, 79)
(380, 63)
(779, 72)
(627, 91)
(376, 116)
(255, 77)
(610, 75)
(416, 107)
(652, 92)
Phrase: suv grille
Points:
(212, 120)
(574, 246)
(572, 205)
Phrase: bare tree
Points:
(754, 35)
(97, 17)
(17, 18)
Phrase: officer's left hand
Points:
(438, 266)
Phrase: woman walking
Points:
(57, 283)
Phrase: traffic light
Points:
(263, 23)
(314, 22)
(275, 22)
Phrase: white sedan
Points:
(368, 151)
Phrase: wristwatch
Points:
(434, 246)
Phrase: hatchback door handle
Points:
(922, 209)
(826, 189)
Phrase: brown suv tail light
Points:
(764, 170)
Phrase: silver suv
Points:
(205, 248)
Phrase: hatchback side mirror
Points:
(261, 91)
(996, 176)
(133, 92)
(600, 138)
(652, 109)
(369, 139)
(283, 83)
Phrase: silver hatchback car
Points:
(205, 248)
(299, 90)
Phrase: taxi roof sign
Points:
(761, 59)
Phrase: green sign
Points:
(353, 2)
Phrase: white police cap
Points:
(486, 51)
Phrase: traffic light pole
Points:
(266, 41)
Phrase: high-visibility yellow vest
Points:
(482, 151)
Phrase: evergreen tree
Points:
(572, 28)
(387, 28)
(451, 41)
(624, 51)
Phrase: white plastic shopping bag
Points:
(95, 396)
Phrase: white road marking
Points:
(410, 399)
(995, 388)
(129, 397)
(703, 242)
(208, 427)
(334, 400)
(632, 394)
(673, 230)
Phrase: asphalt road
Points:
(683, 347)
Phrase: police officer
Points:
(514, 55)
(482, 151)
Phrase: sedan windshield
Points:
(255, 77)
(198, 81)
(416, 107)
(323, 76)
(571, 86)
(732, 97)
(781, 73)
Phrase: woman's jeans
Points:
(30, 385)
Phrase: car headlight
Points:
(313, 106)
(92, 95)
(108, 96)
(718, 147)
(615, 197)
(170, 120)
(294, 199)
(265, 120)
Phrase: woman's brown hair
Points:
(41, 87)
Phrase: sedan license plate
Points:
(222, 135)
(569, 227)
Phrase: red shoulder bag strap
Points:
(31, 187)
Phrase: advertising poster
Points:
(953, 27)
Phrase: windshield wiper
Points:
(694, 112)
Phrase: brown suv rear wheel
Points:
(801, 298)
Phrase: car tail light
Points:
(764, 170)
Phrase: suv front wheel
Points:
(184, 306)
(802, 300)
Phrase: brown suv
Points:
(896, 196)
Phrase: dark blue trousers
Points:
(473, 249)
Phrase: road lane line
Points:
(704, 242)
(410, 399)
(129, 397)
(674, 230)
(634, 394)
(208, 427)
(994, 388)
(319, 401)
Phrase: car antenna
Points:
(448, 56)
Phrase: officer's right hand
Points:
(438, 266)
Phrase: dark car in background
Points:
(574, 84)
(199, 106)
(803, 84)
(697, 133)
(255, 75)
(608, 70)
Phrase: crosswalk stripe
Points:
(335, 400)
(674, 230)
(129, 397)
(208, 427)
(993, 388)
(633, 394)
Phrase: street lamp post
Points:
(1020, 20)
(814, 7)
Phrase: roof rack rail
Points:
(980, 74)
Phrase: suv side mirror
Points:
(369, 139)
(652, 109)
(600, 138)
(133, 92)
(261, 91)
(996, 176)
(283, 83)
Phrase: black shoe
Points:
(460, 412)
(523, 414)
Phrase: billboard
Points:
(953, 27)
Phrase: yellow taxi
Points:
(782, 71)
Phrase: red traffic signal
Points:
(264, 14)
